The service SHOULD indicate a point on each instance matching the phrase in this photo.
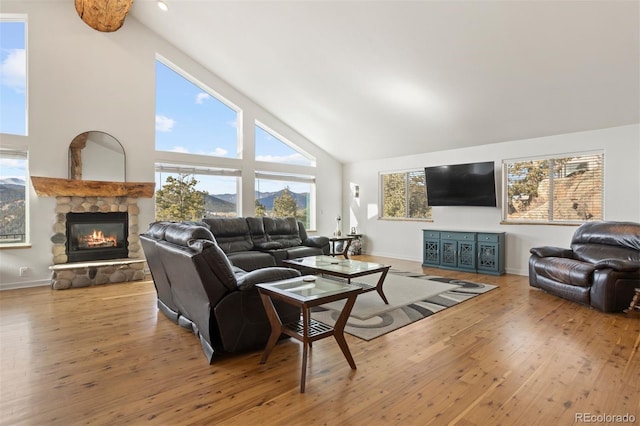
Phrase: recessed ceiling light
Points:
(163, 6)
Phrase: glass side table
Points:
(306, 292)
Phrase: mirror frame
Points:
(79, 143)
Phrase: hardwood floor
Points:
(105, 355)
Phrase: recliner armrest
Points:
(618, 265)
(549, 251)
(316, 241)
(265, 275)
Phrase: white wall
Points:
(403, 239)
(80, 79)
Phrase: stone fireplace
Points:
(85, 275)
(114, 254)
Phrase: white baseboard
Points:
(24, 284)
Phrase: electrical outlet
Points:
(24, 271)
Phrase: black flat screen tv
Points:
(472, 184)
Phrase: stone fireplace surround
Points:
(85, 276)
(94, 196)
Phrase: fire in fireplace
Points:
(97, 236)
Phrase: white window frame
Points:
(285, 141)
(218, 97)
(381, 216)
(549, 220)
(207, 171)
(245, 162)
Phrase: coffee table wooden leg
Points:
(276, 326)
(379, 286)
(338, 330)
(345, 252)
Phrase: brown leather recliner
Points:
(601, 269)
(201, 290)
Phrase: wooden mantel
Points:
(56, 187)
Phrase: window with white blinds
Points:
(404, 195)
(561, 189)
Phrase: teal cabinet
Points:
(481, 252)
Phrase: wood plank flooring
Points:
(514, 356)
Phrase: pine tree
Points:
(285, 205)
(260, 209)
(178, 199)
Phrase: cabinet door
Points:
(467, 255)
(488, 257)
(449, 256)
(431, 255)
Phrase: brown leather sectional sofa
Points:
(601, 269)
(200, 289)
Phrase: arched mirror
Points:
(96, 155)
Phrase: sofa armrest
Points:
(268, 245)
(549, 251)
(265, 275)
(618, 265)
(316, 241)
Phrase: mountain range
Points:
(12, 198)
(227, 202)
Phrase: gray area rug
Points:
(411, 296)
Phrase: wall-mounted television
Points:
(472, 184)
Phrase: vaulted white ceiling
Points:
(374, 79)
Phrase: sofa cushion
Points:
(593, 253)
(232, 233)
(256, 230)
(568, 271)
(283, 230)
(251, 260)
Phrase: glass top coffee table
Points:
(305, 293)
(342, 268)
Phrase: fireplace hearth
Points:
(96, 236)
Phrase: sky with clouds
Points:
(191, 121)
(13, 72)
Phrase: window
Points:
(13, 197)
(193, 193)
(190, 120)
(285, 195)
(272, 149)
(283, 191)
(567, 189)
(199, 168)
(404, 195)
(13, 75)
